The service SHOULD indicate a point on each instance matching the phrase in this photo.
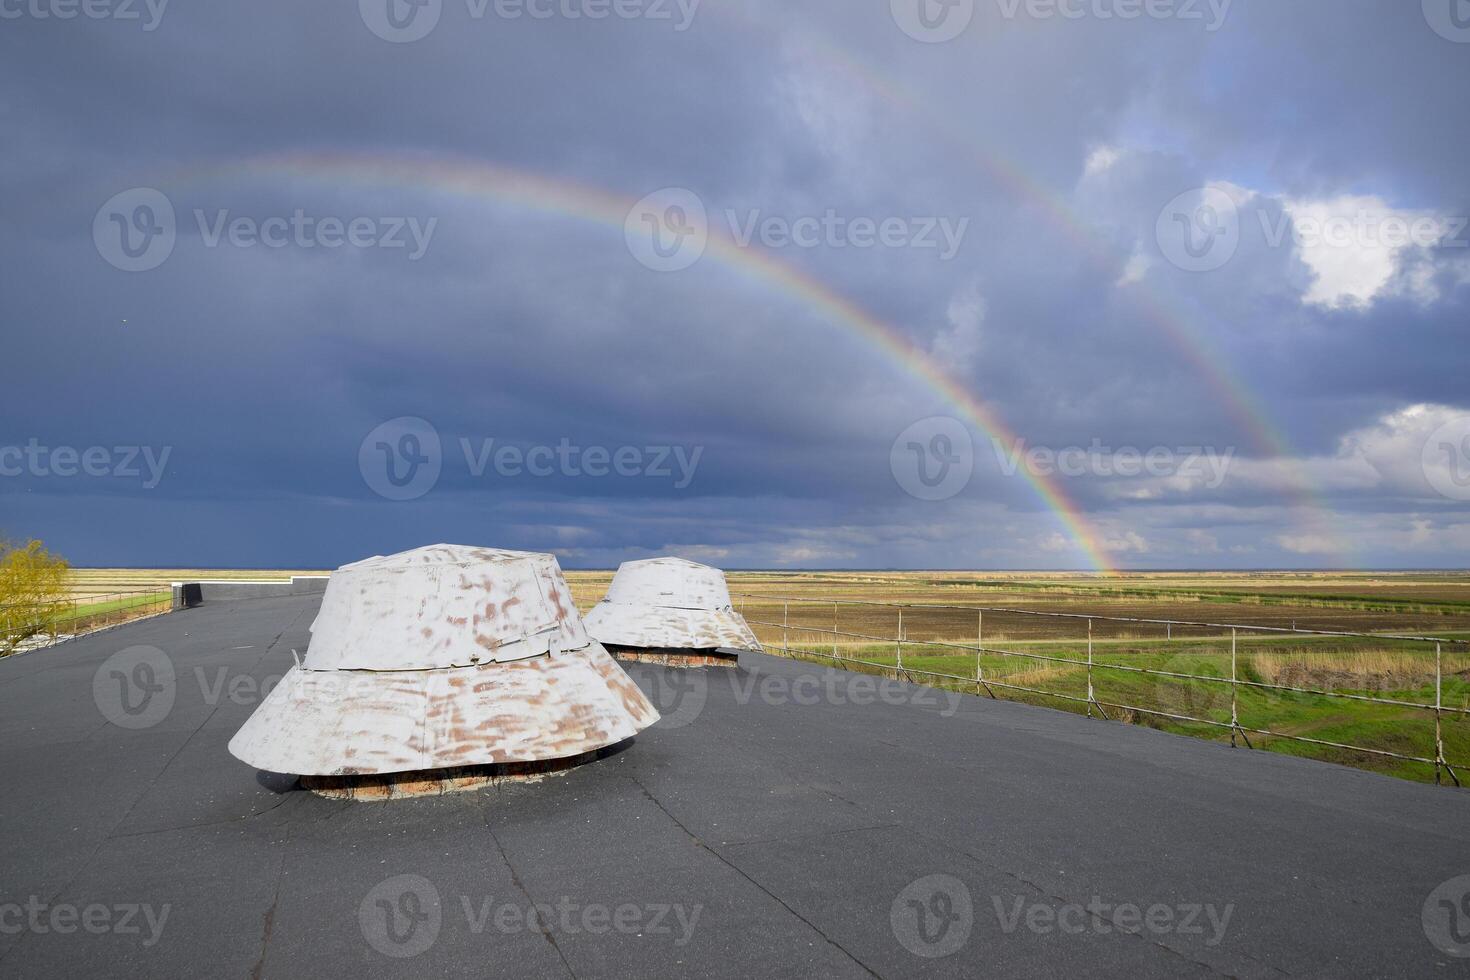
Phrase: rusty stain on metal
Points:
(666, 610)
(673, 658)
(445, 656)
(441, 782)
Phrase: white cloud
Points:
(1136, 269)
(1357, 245)
(1308, 544)
(811, 555)
(1411, 453)
(958, 344)
(1101, 159)
(1054, 542)
(1201, 542)
(1128, 541)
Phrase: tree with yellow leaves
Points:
(32, 586)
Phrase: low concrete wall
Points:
(193, 593)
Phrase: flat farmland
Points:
(980, 632)
(1138, 669)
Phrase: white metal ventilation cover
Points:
(438, 657)
(672, 604)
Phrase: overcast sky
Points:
(985, 284)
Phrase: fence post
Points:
(1234, 689)
(1438, 704)
(785, 621)
(834, 632)
(1090, 698)
(980, 648)
(900, 641)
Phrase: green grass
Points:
(1307, 600)
(82, 612)
(1390, 669)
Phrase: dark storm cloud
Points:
(263, 370)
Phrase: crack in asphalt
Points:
(515, 879)
(109, 836)
(764, 890)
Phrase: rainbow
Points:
(1193, 346)
(480, 180)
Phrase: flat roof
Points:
(784, 820)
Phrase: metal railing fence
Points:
(43, 624)
(1235, 682)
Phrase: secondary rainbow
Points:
(1189, 342)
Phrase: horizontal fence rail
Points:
(45, 622)
(1221, 631)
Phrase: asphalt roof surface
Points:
(784, 820)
